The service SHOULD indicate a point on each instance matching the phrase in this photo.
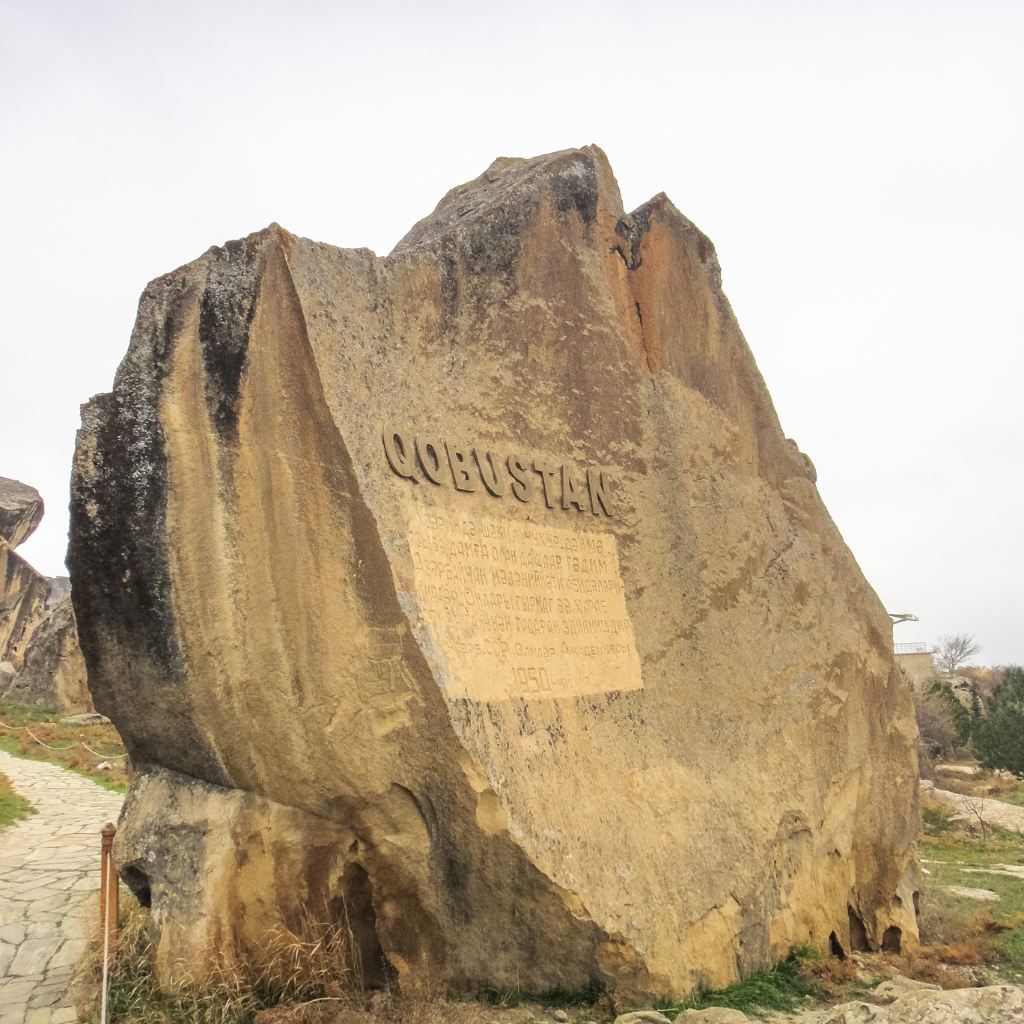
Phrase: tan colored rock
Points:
(21, 510)
(23, 592)
(643, 1017)
(713, 1015)
(898, 985)
(610, 700)
(53, 674)
(996, 1004)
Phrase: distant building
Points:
(917, 662)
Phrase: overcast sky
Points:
(857, 165)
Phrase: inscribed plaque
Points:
(522, 610)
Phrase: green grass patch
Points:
(950, 854)
(1010, 792)
(12, 807)
(783, 988)
(46, 725)
(14, 714)
(937, 820)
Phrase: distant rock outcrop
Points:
(474, 598)
(23, 591)
(39, 650)
(53, 674)
(21, 509)
(60, 588)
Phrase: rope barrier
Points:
(95, 753)
(106, 757)
(47, 745)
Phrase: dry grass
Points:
(280, 968)
(286, 979)
(833, 976)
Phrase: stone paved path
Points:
(49, 888)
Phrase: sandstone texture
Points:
(475, 596)
(23, 591)
(21, 510)
(39, 650)
(53, 674)
(996, 1004)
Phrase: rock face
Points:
(476, 594)
(60, 590)
(38, 635)
(23, 592)
(996, 1004)
(53, 674)
(21, 510)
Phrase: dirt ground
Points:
(386, 1009)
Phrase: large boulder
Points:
(475, 596)
(53, 674)
(21, 510)
(23, 591)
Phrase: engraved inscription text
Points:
(522, 610)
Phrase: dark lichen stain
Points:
(576, 188)
(118, 560)
(631, 229)
(118, 556)
(226, 309)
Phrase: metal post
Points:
(109, 896)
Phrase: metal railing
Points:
(919, 648)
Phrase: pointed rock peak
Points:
(576, 181)
(21, 509)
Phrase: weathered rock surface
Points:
(53, 674)
(713, 1015)
(642, 1017)
(996, 1004)
(21, 510)
(23, 591)
(60, 589)
(565, 674)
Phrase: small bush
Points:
(937, 820)
(936, 726)
(958, 715)
(999, 736)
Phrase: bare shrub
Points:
(952, 651)
(935, 725)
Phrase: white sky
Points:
(858, 166)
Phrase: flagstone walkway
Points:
(49, 888)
